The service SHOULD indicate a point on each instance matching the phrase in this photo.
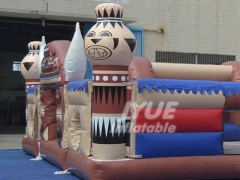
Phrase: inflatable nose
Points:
(95, 41)
(28, 65)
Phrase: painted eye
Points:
(91, 34)
(104, 33)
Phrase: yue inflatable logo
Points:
(165, 110)
(158, 128)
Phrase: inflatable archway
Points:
(134, 119)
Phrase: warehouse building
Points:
(186, 31)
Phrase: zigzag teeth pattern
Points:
(106, 125)
(100, 125)
(112, 121)
(124, 125)
(115, 122)
(95, 125)
(119, 121)
(93, 120)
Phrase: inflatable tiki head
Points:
(109, 41)
(29, 65)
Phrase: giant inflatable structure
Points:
(135, 119)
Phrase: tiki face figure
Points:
(29, 65)
(109, 41)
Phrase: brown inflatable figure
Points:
(52, 77)
(63, 61)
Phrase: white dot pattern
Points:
(123, 78)
(105, 78)
(97, 78)
(114, 78)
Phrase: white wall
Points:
(197, 26)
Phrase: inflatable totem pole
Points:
(110, 47)
(62, 62)
(30, 71)
(51, 79)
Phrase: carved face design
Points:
(29, 65)
(110, 43)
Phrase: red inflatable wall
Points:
(184, 120)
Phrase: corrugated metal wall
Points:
(192, 58)
(205, 27)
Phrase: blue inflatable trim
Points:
(31, 90)
(153, 145)
(77, 85)
(231, 132)
(188, 85)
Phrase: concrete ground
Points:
(11, 137)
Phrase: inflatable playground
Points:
(134, 119)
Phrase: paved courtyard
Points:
(11, 137)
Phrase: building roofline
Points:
(52, 16)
